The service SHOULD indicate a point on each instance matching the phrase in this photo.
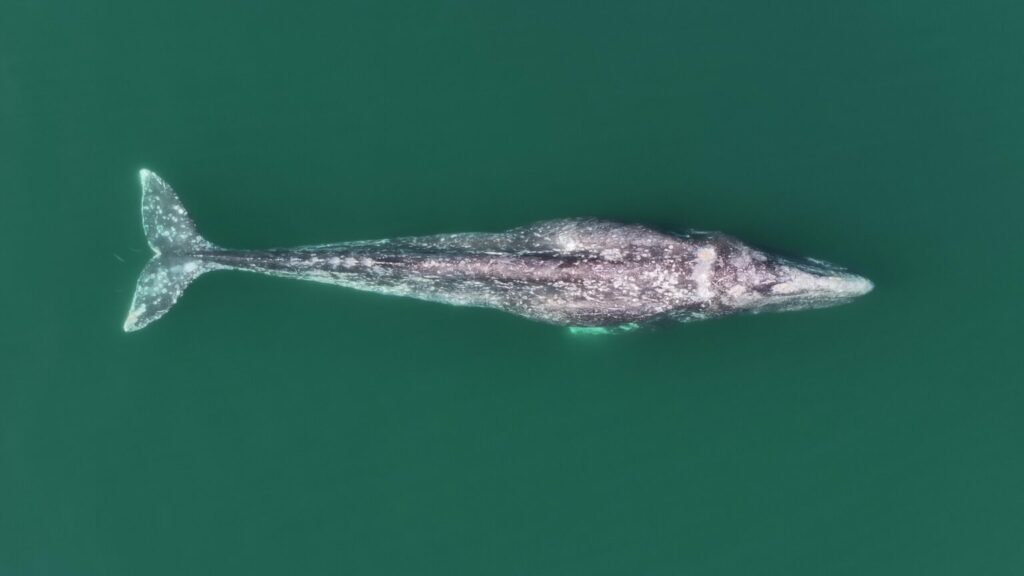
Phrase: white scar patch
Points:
(702, 269)
(785, 288)
(611, 254)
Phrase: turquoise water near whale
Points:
(268, 426)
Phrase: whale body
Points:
(583, 273)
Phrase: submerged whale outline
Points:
(591, 275)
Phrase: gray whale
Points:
(583, 273)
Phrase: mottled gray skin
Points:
(573, 272)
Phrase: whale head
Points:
(756, 281)
(799, 283)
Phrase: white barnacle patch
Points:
(335, 261)
(741, 260)
(797, 281)
(785, 287)
(567, 241)
(612, 254)
(349, 262)
(702, 269)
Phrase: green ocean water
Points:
(268, 426)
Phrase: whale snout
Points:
(816, 283)
(837, 287)
(854, 286)
(840, 286)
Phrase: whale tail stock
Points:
(178, 253)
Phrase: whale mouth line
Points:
(814, 265)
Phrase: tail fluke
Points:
(162, 281)
(179, 251)
(166, 223)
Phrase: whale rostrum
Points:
(583, 273)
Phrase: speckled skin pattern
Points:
(572, 272)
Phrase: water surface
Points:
(270, 426)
